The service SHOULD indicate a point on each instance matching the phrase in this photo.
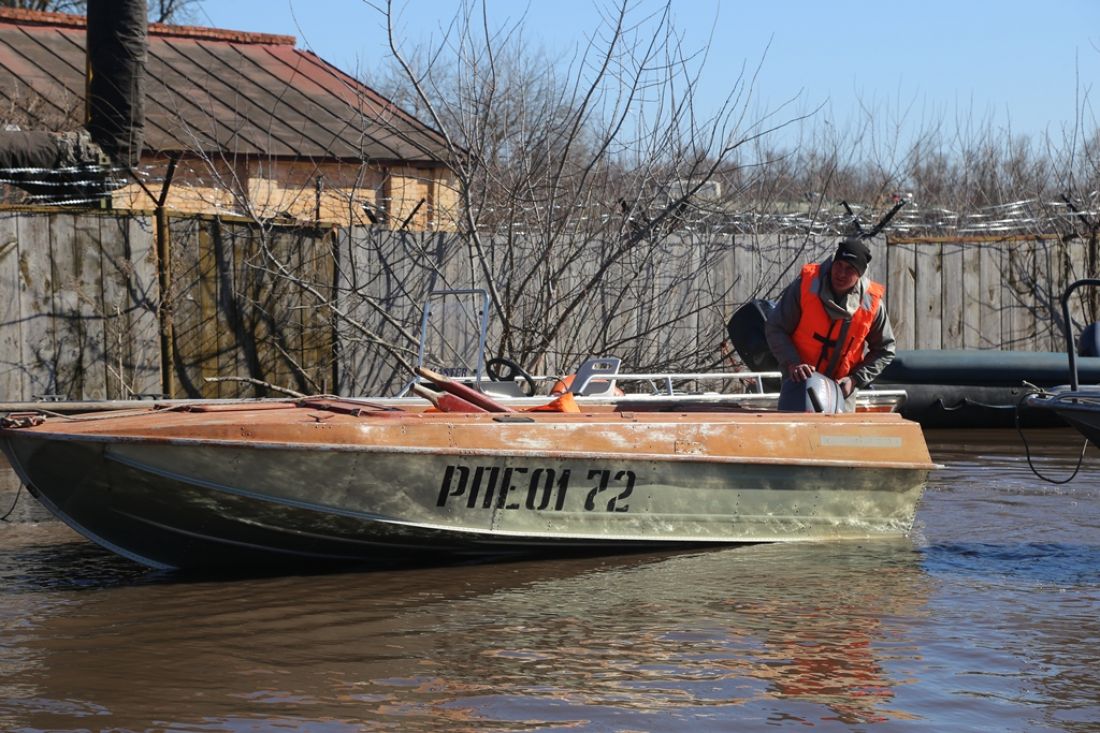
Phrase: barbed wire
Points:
(88, 185)
(77, 185)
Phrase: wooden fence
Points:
(82, 313)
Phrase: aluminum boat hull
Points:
(227, 486)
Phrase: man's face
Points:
(842, 277)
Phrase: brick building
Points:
(257, 126)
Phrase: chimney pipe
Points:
(116, 56)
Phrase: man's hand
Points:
(801, 372)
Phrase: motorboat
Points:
(1076, 404)
(324, 480)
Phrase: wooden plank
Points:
(581, 336)
(637, 279)
(263, 292)
(354, 353)
(300, 243)
(144, 298)
(205, 291)
(113, 305)
(247, 292)
(671, 304)
(928, 302)
(12, 387)
(1044, 298)
(744, 272)
(114, 269)
(315, 318)
(710, 289)
(723, 270)
(901, 275)
(991, 285)
(1018, 322)
(277, 300)
(183, 299)
(781, 259)
(970, 317)
(36, 303)
(954, 296)
(89, 314)
(68, 324)
(1075, 268)
(230, 361)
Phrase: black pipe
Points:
(116, 57)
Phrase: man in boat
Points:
(832, 321)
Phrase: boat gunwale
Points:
(252, 443)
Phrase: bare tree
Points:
(575, 178)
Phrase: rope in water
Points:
(1027, 447)
(13, 503)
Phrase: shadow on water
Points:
(67, 566)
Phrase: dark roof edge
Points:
(67, 20)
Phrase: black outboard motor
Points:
(816, 394)
(746, 332)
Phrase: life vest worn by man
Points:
(832, 321)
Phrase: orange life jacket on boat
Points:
(817, 335)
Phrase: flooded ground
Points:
(987, 618)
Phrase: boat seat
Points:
(590, 377)
(508, 388)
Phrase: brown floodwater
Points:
(986, 618)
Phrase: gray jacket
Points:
(784, 319)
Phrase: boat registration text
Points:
(537, 489)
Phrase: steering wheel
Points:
(493, 369)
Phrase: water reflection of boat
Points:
(642, 642)
(339, 480)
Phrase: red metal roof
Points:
(216, 90)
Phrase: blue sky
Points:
(1017, 66)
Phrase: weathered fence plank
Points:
(953, 296)
(901, 304)
(11, 340)
(67, 325)
(141, 280)
(39, 349)
(928, 286)
(1017, 325)
(1043, 296)
(203, 295)
(315, 319)
(744, 273)
(115, 275)
(991, 283)
(969, 314)
(227, 344)
(184, 299)
(88, 313)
